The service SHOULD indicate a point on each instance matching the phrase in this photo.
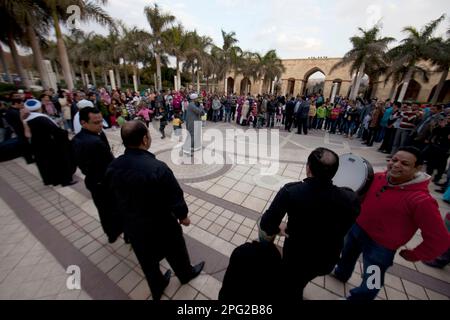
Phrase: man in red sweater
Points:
(396, 205)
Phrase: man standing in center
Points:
(193, 125)
(150, 206)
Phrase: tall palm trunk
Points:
(17, 62)
(138, 76)
(62, 51)
(135, 85)
(105, 78)
(178, 74)
(198, 80)
(440, 86)
(4, 65)
(55, 66)
(126, 71)
(158, 71)
(405, 85)
(359, 77)
(94, 81)
(225, 82)
(118, 80)
(72, 72)
(37, 55)
(82, 75)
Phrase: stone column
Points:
(135, 83)
(113, 80)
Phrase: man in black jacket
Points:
(13, 118)
(319, 216)
(150, 205)
(93, 156)
(290, 106)
(302, 116)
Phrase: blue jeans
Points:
(356, 242)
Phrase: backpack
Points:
(253, 273)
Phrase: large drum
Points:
(355, 173)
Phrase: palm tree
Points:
(176, 41)
(367, 49)
(137, 43)
(89, 11)
(228, 53)
(4, 65)
(414, 48)
(271, 66)
(12, 14)
(440, 50)
(34, 22)
(50, 52)
(197, 54)
(159, 22)
(250, 66)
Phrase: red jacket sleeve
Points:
(436, 239)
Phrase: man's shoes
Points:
(113, 238)
(71, 183)
(157, 295)
(334, 275)
(435, 264)
(196, 270)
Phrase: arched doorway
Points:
(444, 95)
(411, 93)
(246, 86)
(290, 86)
(314, 82)
(230, 85)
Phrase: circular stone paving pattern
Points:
(188, 171)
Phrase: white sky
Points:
(295, 28)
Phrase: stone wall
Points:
(299, 70)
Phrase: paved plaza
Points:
(44, 230)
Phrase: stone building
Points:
(298, 71)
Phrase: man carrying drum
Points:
(396, 205)
(319, 216)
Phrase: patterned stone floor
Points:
(44, 230)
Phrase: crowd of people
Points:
(64, 130)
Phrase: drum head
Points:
(354, 172)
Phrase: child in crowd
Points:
(162, 121)
(177, 122)
(279, 116)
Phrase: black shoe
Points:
(440, 190)
(71, 183)
(195, 272)
(157, 295)
(439, 264)
(334, 275)
(112, 239)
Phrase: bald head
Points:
(323, 164)
(135, 135)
